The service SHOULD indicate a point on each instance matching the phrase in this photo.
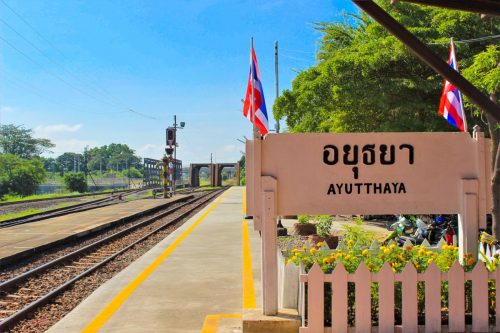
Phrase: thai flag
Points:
(451, 106)
(259, 104)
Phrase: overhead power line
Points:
(479, 39)
(111, 100)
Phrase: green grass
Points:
(19, 214)
(14, 198)
(30, 211)
(206, 188)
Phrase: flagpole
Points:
(256, 134)
(466, 128)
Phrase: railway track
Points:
(65, 197)
(22, 294)
(88, 205)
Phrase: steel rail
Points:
(13, 203)
(14, 318)
(81, 207)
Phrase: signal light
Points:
(170, 136)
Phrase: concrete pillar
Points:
(468, 219)
(269, 247)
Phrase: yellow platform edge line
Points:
(249, 300)
(211, 322)
(122, 296)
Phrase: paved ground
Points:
(17, 239)
(196, 280)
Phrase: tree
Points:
(19, 141)
(75, 181)
(242, 163)
(20, 176)
(366, 80)
(485, 74)
(70, 161)
(114, 156)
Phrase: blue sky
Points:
(72, 72)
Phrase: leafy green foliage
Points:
(20, 176)
(323, 225)
(302, 219)
(17, 140)
(366, 80)
(356, 234)
(75, 181)
(484, 71)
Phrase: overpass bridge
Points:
(215, 170)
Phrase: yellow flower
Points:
(325, 260)
(313, 250)
(421, 252)
(382, 248)
(400, 257)
(429, 253)
(365, 252)
(392, 247)
(429, 261)
(304, 247)
(320, 244)
(408, 248)
(347, 257)
(444, 247)
(350, 242)
(470, 261)
(387, 251)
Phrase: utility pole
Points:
(174, 147)
(175, 153)
(276, 76)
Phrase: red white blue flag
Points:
(258, 110)
(451, 106)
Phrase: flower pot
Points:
(331, 240)
(304, 229)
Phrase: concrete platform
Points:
(20, 240)
(199, 279)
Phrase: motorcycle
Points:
(416, 232)
(403, 227)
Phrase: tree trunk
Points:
(495, 171)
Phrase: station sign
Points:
(372, 173)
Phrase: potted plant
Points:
(323, 226)
(304, 227)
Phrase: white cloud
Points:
(4, 109)
(57, 128)
(71, 145)
(230, 148)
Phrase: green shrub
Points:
(324, 224)
(302, 219)
(20, 176)
(75, 181)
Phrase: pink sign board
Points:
(371, 173)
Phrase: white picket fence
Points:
(315, 280)
(487, 250)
